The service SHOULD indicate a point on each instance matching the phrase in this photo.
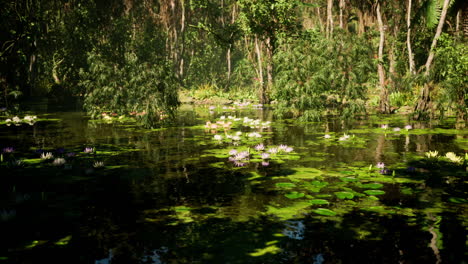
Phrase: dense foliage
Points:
(343, 56)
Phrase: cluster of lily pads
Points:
(259, 153)
(58, 158)
(17, 121)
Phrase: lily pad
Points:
(285, 185)
(323, 211)
(294, 195)
(374, 192)
(318, 201)
(344, 195)
(371, 185)
(457, 200)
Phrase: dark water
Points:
(172, 196)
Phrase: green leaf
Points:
(285, 185)
(374, 192)
(344, 195)
(323, 211)
(294, 195)
(318, 201)
(371, 186)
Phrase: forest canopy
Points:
(307, 58)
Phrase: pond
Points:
(232, 185)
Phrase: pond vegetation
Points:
(233, 131)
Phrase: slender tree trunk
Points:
(182, 41)
(423, 104)
(384, 106)
(342, 6)
(329, 18)
(319, 17)
(430, 58)
(408, 39)
(270, 49)
(260, 72)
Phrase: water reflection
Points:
(171, 196)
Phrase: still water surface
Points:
(175, 195)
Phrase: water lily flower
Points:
(233, 152)
(239, 163)
(432, 154)
(259, 147)
(58, 161)
(71, 154)
(254, 134)
(265, 155)
(212, 107)
(288, 149)
(98, 164)
(327, 136)
(238, 133)
(453, 157)
(273, 150)
(385, 171)
(16, 119)
(408, 127)
(218, 137)
(396, 129)
(8, 150)
(47, 155)
(236, 138)
(207, 124)
(88, 150)
(265, 163)
(384, 126)
(380, 165)
(8, 122)
(282, 147)
(222, 117)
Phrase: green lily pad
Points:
(371, 186)
(344, 195)
(348, 179)
(294, 195)
(374, 192)
(285, 185)
(318, 201)
(457, 200)
(323, 211)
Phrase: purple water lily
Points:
(88, 150)
(8, 150)
(380, 165)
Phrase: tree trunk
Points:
(408, 39)
(342, 6)
(384, 106)
(269, 68)
(329, 18)
(262, 93)
(423, 104)
(430, 58)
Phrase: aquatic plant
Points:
(259, 147)
(432, 154)
(327, 136)
(88, 150)
(8, 150)
(380, 165)
(265, 155)
(396, 129)
(408, 127)
(98, 164)
(47, 155)
(385, 126)
(218, 137)
(58, 162)
(453, 157)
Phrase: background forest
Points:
(309, 57)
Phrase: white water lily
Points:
(98, 164)
(453, 157)
(47, 155)
(58, 161)
(432, 154)
(218, 137)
